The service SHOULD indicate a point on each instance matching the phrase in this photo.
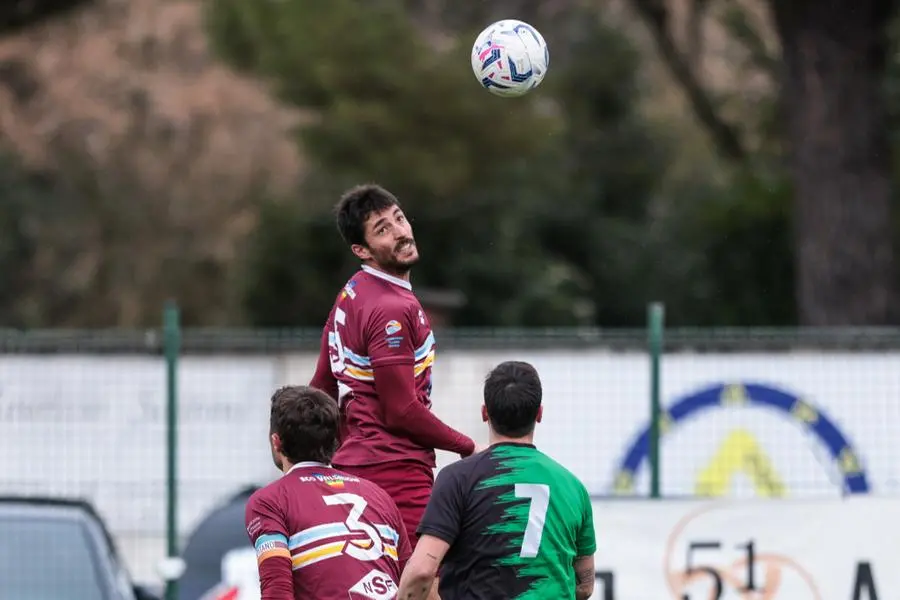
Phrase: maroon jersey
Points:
(327, 535)
(377, 321)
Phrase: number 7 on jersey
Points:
(539, 494)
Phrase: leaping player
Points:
(376, 358)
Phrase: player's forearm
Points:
(426, 429)
(275, 579)
(405, 415)
(584, 577)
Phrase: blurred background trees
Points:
(671, 154)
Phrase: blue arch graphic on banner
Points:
(810, 418)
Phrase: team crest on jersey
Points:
(348, 290)
(376, 585)
(393, 327)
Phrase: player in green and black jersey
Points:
(509, 522)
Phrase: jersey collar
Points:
(382, 275)
(308, 464)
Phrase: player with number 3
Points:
(376, 357)
(320, 533)
(509, 522)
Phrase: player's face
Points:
(390, 242)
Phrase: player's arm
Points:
(393, 364)
(418, 576)
(438, 530)
(585, 547)
(584, 576)
(323, 378)
(268, 534)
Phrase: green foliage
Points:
(553, 209)
(736, 243)
(24, 198)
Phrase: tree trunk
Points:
(834, 62)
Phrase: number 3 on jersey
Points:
(356, 524)
(539, 495)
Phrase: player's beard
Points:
(277, 460)
(390, 261)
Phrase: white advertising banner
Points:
(796, 424)
(95, 427)
(748, 549)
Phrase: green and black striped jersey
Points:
(515, 520)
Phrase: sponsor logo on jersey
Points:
(254, 526)
(348, 290)
(421, 317)
(376, 585)
(335, 481)
(393, 327)
(394, 341)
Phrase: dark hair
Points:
(512, 395)
(306, 420)
(355, 206)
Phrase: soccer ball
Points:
(510, 58)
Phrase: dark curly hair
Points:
(355, 206)
(306, 420)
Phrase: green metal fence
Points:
(157, 427)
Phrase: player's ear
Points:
(484, 415)
(361, 252)
(276, 442)
(540, 414)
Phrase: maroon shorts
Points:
(407, 482)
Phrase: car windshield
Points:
(47, 559)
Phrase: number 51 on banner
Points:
(718, 576)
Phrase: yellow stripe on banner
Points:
(316, 554)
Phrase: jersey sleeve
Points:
(323, 378)
(389, 333)
(443, 515)
(404, 548)
(586, 543)
(268, 533)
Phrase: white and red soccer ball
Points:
(510, 58)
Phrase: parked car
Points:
(220, 563)
(60, 549)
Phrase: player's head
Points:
(371, 220)
(512, 399)
(303, 426)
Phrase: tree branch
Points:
(724, 135)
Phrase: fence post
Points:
(172, 346)
(655, 326)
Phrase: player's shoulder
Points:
(372, 293)
(562, 475)
(267, 494)
(470, 468)
(262, 505)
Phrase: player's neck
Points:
(371, 266)
(287, 467)
(496, 438)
